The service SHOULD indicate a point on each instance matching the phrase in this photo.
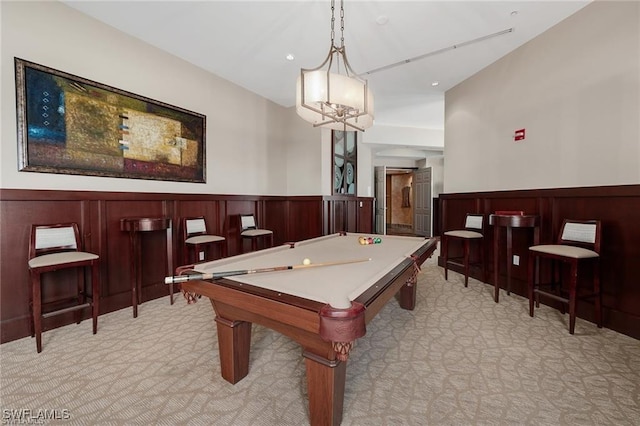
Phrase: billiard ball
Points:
(306, 261)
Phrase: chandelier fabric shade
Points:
(332, 100)
(327, 98)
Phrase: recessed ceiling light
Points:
(435, 83)
(382, 19)
(290, 57)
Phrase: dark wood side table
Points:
(509, 222)
(135, 226)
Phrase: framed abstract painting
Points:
(68, 124)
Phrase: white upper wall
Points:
(253, 145)
(305, 158)
(415, 137)
(576, 91)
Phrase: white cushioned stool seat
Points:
(61, 258)
(463, 234)
(255, 232)
(566, 251)
(203, 239)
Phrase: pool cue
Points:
(217, 275)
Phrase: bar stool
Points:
(578, 244)
(197, 240)
(55, 247)
(474, 225)
(249, 230)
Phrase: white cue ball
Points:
(306, 261)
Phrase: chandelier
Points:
(332, 95)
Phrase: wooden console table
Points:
(509, 222)
(134, 226)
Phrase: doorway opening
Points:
(399, 201)
(403, 201)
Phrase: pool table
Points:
(323, 308)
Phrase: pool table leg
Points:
(408, 296)
(234, 342)
(325, 387)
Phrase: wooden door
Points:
(380, 174)
(422, 202)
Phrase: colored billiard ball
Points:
(306, 261)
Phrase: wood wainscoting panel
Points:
(344, 213)
(305, 218)
(365, 215)
(277, 218)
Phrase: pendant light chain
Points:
(341, 23)
(346, 70)
(333, 20)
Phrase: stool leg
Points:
(466, 262)
(482, 266)
(509, 257)
(532, 272)
(537, 278)
(37, 311)
(445, 253)
(95, 296)
(81, 293)
(572, 296)
(31, 313)
(598, 292)
(133, 247)
(558, 284)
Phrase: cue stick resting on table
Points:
(217, 275)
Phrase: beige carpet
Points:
(458, 359)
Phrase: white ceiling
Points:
(246, 42)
